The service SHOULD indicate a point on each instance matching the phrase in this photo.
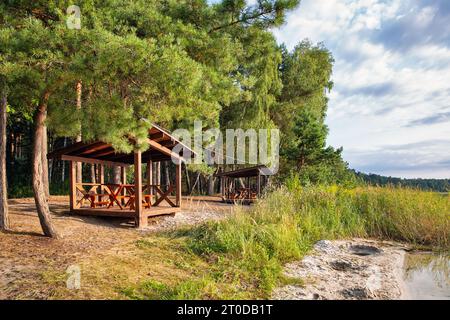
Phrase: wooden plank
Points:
(164, 150)
(104, 212)
(72, 186)
(93, 161)
(178, 185)
(141, 219)
(164, 196)
(94, 148)
(158, 136)
(158, 211)
(59, 152)
(102, 153)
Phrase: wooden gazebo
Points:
(123, 199)
(243, 185)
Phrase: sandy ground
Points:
(25, 254)
(348, 269)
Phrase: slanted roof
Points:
(244, 172)
(161, 145)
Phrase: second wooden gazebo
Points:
(138, 200)
(252, 180)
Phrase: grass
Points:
(242, 257)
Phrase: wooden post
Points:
(72, 185)
(141, 219)
(123, 174)
(258, 184)
(178, 184)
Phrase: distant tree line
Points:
(438, 185)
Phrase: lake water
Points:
(427, 276)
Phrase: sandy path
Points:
(25, 255)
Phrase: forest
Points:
(190, 61)
(104, 71)
(438, 185)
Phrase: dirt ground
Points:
(25, 254)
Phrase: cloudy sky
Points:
(390, 107)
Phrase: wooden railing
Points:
(111, 195)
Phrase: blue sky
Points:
(390, 107)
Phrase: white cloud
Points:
(392, 70)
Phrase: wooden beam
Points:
(95, 161)
(58, 153)
(158, 136)
(72, 187)
(104, 212)
(164, 150)
(94, 148)
(102, 153)
(155, 158)
(141, 219)
(178, 184)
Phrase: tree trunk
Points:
(158, 173)
(78, 138)
(211, 181)
(63, 165)
(188, 181)
(93, 175)
(45, 163)
(116, 175)
(195, 183)
(166, 172)
(38, 170)
(4, 219)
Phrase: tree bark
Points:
(158, 173)
(167, 173)
(93, 174)
(38, 170)
(116, 175)
(188, 181)
(4, 219)
(78, 138)
(211, 181)
(195, 183)
(63, 165)
(45, 162)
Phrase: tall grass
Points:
(247, 251)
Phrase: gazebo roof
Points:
(244, 172)
(161, 145)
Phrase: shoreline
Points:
(354, 269)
